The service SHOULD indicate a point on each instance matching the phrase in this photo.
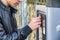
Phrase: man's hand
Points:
(35, 23)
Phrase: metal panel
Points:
(53, 19)
(53, 23)
(41, 34)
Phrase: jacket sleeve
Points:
(20, 34)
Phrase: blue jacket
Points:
(8, 26)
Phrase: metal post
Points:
(24, 13)
(53, 19)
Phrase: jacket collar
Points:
(11, 9)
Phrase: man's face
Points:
(13, 3)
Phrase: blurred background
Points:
(26, 11)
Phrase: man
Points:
(8, 27)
